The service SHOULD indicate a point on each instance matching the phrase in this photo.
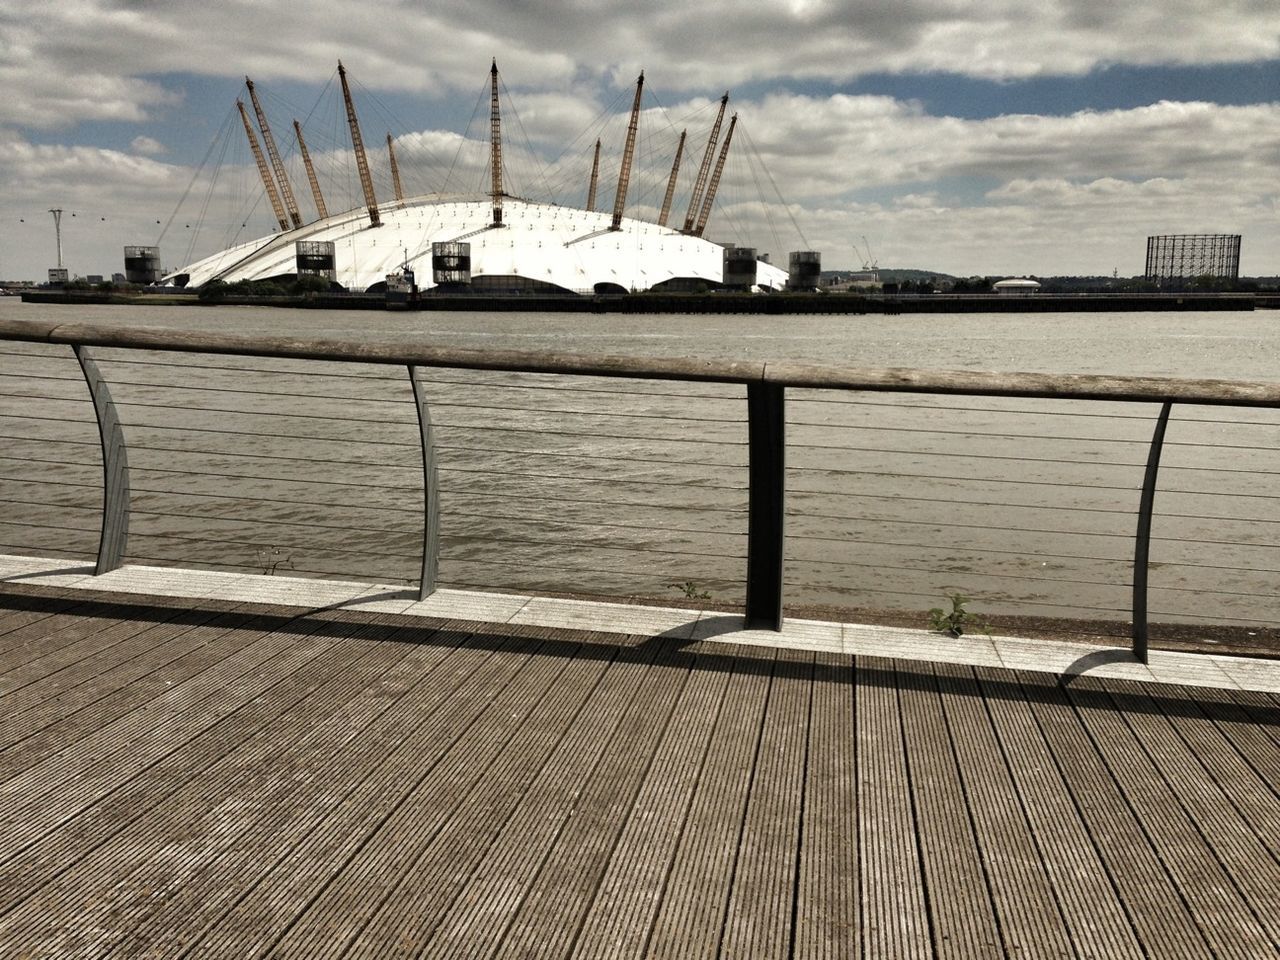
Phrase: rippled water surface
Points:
(624, 487)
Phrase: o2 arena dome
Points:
(488, 241)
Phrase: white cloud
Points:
(148, 146)
(88, 58)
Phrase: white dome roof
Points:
(564, 246)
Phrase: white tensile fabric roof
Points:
(565, 246)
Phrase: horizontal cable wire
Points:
(46, 503)
(1182, 409)
(50, 526)
(983, 551)
(957, 433)
(273, 436)
(924, 597)
(985, 575)
(288, 503)
(255, 413)
(237, 454)
(259, 545)
(950, 524)
(252, 476)
(542, 564)
(60, 483)
(273, 523)
(79, 443)
(585, 435)
(613, 480)
(408, 401)
(454, 492)
(589, 456)
(964, 456)
(542, 521)
(623, 548)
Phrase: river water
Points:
(613, 487)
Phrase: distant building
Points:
(1016, 287)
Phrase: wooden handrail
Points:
(1241, 393)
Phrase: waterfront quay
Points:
(210, 764)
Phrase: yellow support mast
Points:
(395, 170)
(276, 163)
(628, 154)
(357, 144)
(595, 179)
(316, 195)
(671, 181)
(263, 172)
(705, 169)
(715, 179)
(495, 145)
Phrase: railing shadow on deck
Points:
(670, 649)
(108, 363)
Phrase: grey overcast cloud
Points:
(1038, 137)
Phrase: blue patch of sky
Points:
(1110, 88)
(187, 128)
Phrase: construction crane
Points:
(869, 263)
(357, 145)
(263, 172)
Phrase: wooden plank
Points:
(436, 732)
(85, 771)
(341, 912)
(607, 784)
(1030, 921)
(959, 902)
(826, 899)
(274, 794)
(761, 913)
(1160, 915)
(41, 704)
(691, 918)
(1083, 887)
(1220, 794)
(45, 635)
(621, 856)
(894, 914)
(18, 609)
(1208, 722)
(214, 643)
(29, 684)
(1227, 924)
(166, 849)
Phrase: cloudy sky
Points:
(1004, 137)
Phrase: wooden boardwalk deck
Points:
(214, 779)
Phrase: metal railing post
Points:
(430, 492)
(1142, 539)
(115, 467)
(767, 462)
